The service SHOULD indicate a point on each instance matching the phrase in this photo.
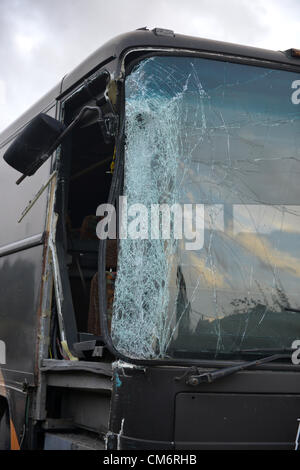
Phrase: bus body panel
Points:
(21, 269)
(147, 404)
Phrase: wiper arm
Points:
(209, 377)
(264, 350)
(296, 310)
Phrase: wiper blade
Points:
(292, 310)
(264, 350)
(210, 377)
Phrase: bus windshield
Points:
(213, 148)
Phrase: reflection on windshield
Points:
(225, 136)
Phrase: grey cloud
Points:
(66, 31)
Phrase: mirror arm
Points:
(35, 166)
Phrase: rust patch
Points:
(3, 391)
(14, 443)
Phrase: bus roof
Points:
(156, 38)
(151, 38)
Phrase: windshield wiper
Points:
(292, 310)
(264, 350)
(209, 377)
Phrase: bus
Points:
(150, 252)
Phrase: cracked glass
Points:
(223, 136)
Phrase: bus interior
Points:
(85, 170)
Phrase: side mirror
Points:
(43, 135)
(26, 153)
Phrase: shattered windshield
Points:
(212, 147)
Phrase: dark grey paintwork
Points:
(145, 400)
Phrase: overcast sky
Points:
(42, 40)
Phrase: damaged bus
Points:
(148, 343)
